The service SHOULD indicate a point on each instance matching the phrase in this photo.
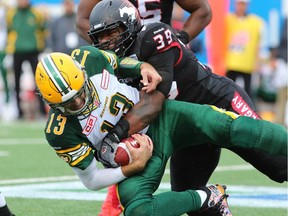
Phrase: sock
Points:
(4, 211)
(2, 200)
(203, 196)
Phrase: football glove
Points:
(106, 153)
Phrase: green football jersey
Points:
(74, 139)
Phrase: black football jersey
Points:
(158, 45)
(153, 11)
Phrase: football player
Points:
(86, 106)
(4, 209)
(116, 25)
(155, 11)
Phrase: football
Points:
(122, 154)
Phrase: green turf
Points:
(42, 207)
(29, 156)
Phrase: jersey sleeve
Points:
(129, 67)
(156, 38)
(64, 135)
(95, 61)
(158, 45)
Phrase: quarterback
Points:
(87, 101)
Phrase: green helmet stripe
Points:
(55, 75)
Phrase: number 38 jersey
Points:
(74, 139)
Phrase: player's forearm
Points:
(195, 24)
(82, 26)
(132, 169)
(145, 111)
(96, 179)
(82, 17)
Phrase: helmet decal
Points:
(55, 75)
(129, 11)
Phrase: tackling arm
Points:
(150, 104)
(145, 111)
(96, 179)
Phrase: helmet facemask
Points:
(84, 111)
(108, 15)
(118, 44)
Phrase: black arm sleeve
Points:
(163, 63)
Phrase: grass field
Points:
(36, 182)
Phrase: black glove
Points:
(120, 131)
(183, 37)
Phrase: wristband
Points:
(183, 36)
(120, 131)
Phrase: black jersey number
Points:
(163, 39)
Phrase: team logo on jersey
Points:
(103, 149)
(91, 121)
(75, 155)
(66, 157)
(95, 103)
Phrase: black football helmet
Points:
(112, 14)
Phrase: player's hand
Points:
(140, 156)
(150, 77)
(106, 152)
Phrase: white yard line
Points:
(71, 178)
(4, 153)
(248, 196)
(37, 180)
